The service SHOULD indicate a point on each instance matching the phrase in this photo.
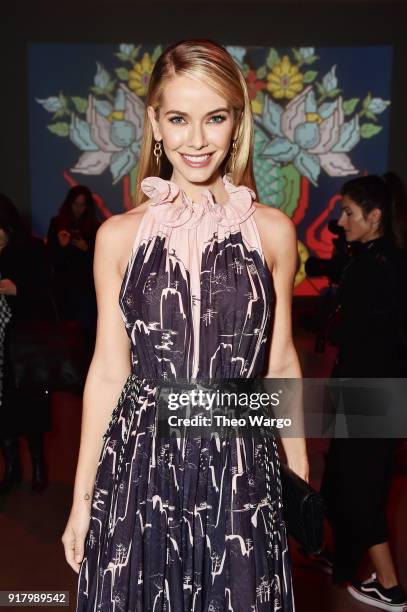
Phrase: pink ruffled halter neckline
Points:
(163, 193)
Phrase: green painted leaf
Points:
(261, 72)
(350, 105)
(62, 99)
(310, 75)
(272, 58)
(135, 52)
(367, 100)
(245, 69)
(96, 90)
(291, 191)
(60, 129)
(368, 130)
(297, 55)
(122, 56)
(320, 87)
(122, 73)
(370, 115)
(311, 59)
(156, 54)
(61, 113)
(333, 93)
(111, 86)
(80, 104)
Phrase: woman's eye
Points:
(175, 119)
(220, 118)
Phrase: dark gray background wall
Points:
(287, 23)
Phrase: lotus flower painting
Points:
(321, 116)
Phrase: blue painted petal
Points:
(122, 163)
(377, 105)
(122, 133)
(126, 49)
(306, 51)
(271, 117)
(349, 136)
(327, 108)
(103, 107)
(79, 133)
(280, 150)
(330, 81)
(308, 165)
(102, 77)
(260, 140)
(310, 102)
(120, 100)
(52, 104)
(237, 53)
(135, 147)
(306, 135)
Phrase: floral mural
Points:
(312, 132)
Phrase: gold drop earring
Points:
(158, 151)
(233, 156)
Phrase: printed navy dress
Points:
(188, 524)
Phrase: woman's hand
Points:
(80, 243)
(299, 465)
(74, 535)
(64, 238)
(7, 287)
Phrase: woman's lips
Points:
(196, 161)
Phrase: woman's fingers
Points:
(73, 549)
(78, 550)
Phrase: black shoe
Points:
(12, 472)
(372, 593)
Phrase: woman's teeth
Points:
(196, 159)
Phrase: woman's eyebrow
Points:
(216, 110)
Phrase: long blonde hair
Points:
(210, 63)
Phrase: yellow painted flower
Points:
(116, 116)
(139, 75)
(313, 118)
(303, 255)
(285, 80)
(257, 106)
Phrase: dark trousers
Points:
(355, 485)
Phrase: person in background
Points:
(24, 296)
(370, 334)
(71, 243)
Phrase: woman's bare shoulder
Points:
(116, 235)
(277, 233)
(273, 219)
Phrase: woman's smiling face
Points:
(196, 126)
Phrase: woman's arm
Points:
(109, 369)
(110, 364)
(279, 243)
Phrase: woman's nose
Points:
(341, 220)
(197, 137)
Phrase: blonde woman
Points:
(186, 284)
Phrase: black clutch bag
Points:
(303, 510)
